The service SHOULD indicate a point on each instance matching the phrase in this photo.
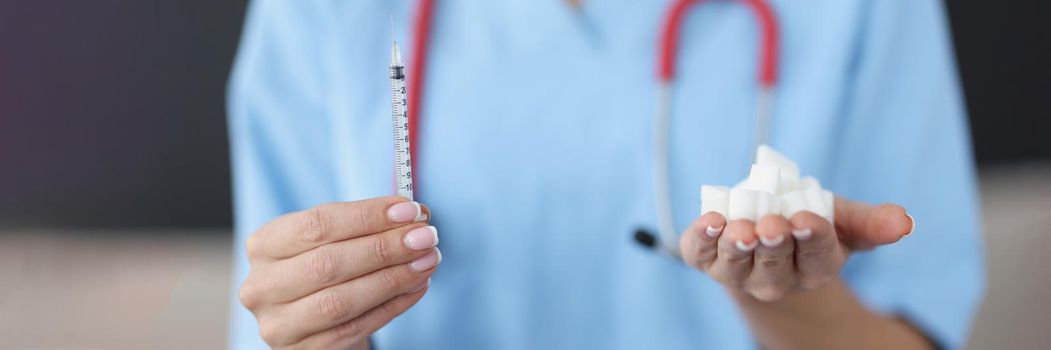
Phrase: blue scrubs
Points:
(535, 156)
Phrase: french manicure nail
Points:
(802, 234)
(913, 228)
(714, 231)
(746, 247)
(405, 212)
(422, 238)
(426, 262)
(772, 242)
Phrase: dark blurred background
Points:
(112, 111)
(115, 205)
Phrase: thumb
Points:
(862, 226)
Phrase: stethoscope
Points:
(666, 242)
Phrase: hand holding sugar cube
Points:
(773, 187)
(779, 250)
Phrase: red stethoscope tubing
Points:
(421, 33)
(768, 40)
(666, 61)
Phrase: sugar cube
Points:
(792, 203)
(809, 182)
(815, 199)
(767, 204)
(789, 182)
(743, 204)
(764, 178)
(715, 198)
(830, 203)
(765, 155)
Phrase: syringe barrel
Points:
(402, 149)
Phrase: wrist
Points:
(829, 302)
(827, 317)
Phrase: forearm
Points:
(830, 317)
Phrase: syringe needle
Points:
(395, 51)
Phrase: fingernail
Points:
(746, 247)
(405, 212)
(427, 261)
(714, 231)
(422, 286)
(772, 242)
(913, 228)
(802, 234)
(422, 238)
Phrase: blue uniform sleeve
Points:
(277, 126)
(905, 140)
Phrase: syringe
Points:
(402, 150)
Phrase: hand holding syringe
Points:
(329, 276)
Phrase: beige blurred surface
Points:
(167, 288)
(1017, 208)
(122, 289)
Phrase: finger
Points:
(338, 262)
(862, 226)
(734, 260)
(818, 254)
(353, 331)
(700, 241)
(295, 233)
(773, 274)
(335, 305)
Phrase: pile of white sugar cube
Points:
(774, 186)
